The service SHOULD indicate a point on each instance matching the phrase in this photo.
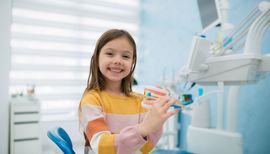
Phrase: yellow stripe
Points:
(107, 144)
(91, 97)
(122, 104)
(147, 147)
(113, 103)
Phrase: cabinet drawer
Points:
(25, 107)
(27, 147)
(34, 116)
(26, 130)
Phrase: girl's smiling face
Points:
(116, 59)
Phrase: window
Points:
(52, 42)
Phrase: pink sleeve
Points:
(154, 137)
(129, 139)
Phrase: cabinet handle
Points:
(25, 122)
(26, 112)
(25, 139)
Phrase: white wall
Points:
(5, 19)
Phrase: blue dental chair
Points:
(60, 137)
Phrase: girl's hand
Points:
(156, 117)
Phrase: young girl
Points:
(111, 115)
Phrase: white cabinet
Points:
(25, 125)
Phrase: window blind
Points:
(52, 42)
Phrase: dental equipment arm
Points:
(222, 67)
(232, 69)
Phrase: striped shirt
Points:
(110, 123)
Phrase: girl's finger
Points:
(168, 104)
(162, 101)
(171, 113)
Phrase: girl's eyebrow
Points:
(109, 49)
(125, 51)
(128, 52)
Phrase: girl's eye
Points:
(126, 57)
(109, 53)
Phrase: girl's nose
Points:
(117, 60)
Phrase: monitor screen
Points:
(209, 13)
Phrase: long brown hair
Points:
(96, 80)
